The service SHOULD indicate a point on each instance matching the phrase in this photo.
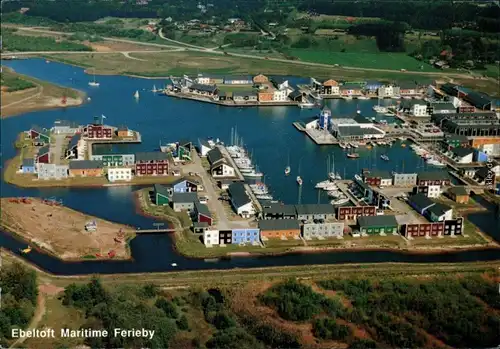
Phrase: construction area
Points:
(70, 235)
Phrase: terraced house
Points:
(151, 164)
(85, 168)
(110, 157)
(377, 225)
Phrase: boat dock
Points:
(342, 184)
(228, 157)
(227, 103)
(320, 137)
(254, 199)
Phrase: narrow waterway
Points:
(267, 131)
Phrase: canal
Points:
(266, 131)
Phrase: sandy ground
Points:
(111, 46)
(61, 230)
(14, 103)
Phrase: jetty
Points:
(153, 231)
(320, 137)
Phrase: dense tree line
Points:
(13, 42)
(445, 308)
(389, 36)
(19, 294)
(15, 83)
(105, 30)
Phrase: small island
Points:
(65, 233)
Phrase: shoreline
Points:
(36, 238)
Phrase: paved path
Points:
(56, 148)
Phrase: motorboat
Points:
(353, 145)
(342, 145)
(363, 97)
(306, 105)
(384, 157)
(334, 193)
(347, 98)
(136, 94)
(264, 197)
(94, 83)
(323, 184)
(380, 109)
(287, 170)
(340, 201)
(299, 180)
(338, 176)
(353, 155)
(253, 174)
(329, 187)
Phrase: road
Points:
(189, 47)
(37, 317)
(56, 148)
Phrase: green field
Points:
(392, 61)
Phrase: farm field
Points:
(393, 61)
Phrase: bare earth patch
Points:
(61, 230)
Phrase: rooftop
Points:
(378, 174)
(43, 150)
(443, 106)
(439, 209)
(202, 209)
(74, 141)
(274, 209)
(462, 151)
(377, 221)
(201, 87)
(184, 197)
(420, 200)
(433, 175)
(151, 156)
(214, 156)
(357, 131)
(458, 190)
(238, 194)
(160, 189)
(28, 162)
(314, 209)
(279, 224)
(65, 123)
(85, 164)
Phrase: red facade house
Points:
(151, 164)
(433, 178)
(99, 131)
(423, 230)
(352, 212)
(202, 213)
(43, 155)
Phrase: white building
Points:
(211, 238)
(240, 201)
(222, 170)
(119, 174)
(64, 127)
(439, 212)
(204, 147)
(203, 80)
(280, 95)
(388, 91)
(52, 171)
(419, 110)
(434, 191)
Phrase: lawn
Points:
(383, 60)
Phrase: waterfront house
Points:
(86, 168)
(238, 80)
(266, 95)
(377, 224)
(433, 178)
(459, 194)
(211, 238)
(322, 230)
(388, 91)
(28, 166)
(65, 127)
(279, 229)
(378, 178)
(218, 164)
(260, 79)
(462, 155)
(439, 212)
(202, 213)
(330, 88)
(431, 191)
(485, 176)
(246, 236)
(124, 132)
(351, 213)
(240, 200)
(111, 157)
(151, 164)
(98, 131)
(204, 147)
(280, 95)
(414, 108)
(38, 134)
(420, 203)
(223, 96)
(279, 211)
(454, 226)
(245, 97)
(427, 230)
(404, 179)
(204, 90)
(161, 195)
(43, 155)
(407, 88)
(202, 80)
(119, 174)
(350, 90)
(182, 185)
(308, 212)
(455, 141)
(183, 201)
(51, 171)
(442, 108)
(72, 151)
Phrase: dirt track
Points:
(61, 230)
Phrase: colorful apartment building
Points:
(279, 229)
(85, 168)
(151, 164)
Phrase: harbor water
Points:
(266, 131)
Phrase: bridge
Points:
(153, 231)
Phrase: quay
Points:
(320, 137)
(153, 231)
(229, 103)
(342, 184)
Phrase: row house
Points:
(279, 211)
(86, 168)
(246, 236)
(282, 229)
(245, 97)
(351, 90)
(266, 95)
(325, 230)
(404, 179)
(97, 131)
(427, 230)
(351, 213)
(388, 91)
(433, 178)
(151, 164)
(408, 88)
(119, 174)
(51, 171)
(431, 191)
(378, 178)
(370, 225)
(238, 80)
(309, 212)
(328, 87)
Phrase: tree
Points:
(168, 308)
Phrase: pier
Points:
(153, 231)
(320, 137)
(229, 103)
(254, 199)
(342, 184)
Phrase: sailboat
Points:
(299, 179)
(287, 168)
(136, 94)
(94, 83)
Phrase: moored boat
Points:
(384, 157)
(340, 201)
(299, 180)
(353, 155)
